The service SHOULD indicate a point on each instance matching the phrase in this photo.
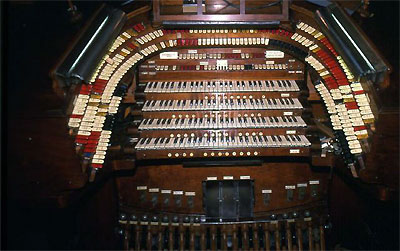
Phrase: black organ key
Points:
(263, 120)
(142, 141)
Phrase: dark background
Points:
(34, 36)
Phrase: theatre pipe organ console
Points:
(222, 134)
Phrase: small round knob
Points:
(122, 216)
(165, 219)
(145, 218)
(307, 213)
(175, 219)
(295, 215)
(133, 217)
(273, 217)
(197, 219)
(285, 216)
(186, 219)
(154, 218)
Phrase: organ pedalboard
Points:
(223, 138)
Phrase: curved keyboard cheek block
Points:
(91, 46)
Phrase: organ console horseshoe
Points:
(224, 120)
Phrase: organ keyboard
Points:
(272, 104)
(221, 104)
(222, 123)
(223, 86)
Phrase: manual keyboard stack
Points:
(221, 118)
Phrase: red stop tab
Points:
(359, 128)
(94, 165)
(351, 105)
(81, 141)
(359, 92)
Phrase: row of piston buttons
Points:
(212, 154)
(213, 115)
(123, 218)
(301, 191)
(292, 215)
(166, 198)
(215, 134)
